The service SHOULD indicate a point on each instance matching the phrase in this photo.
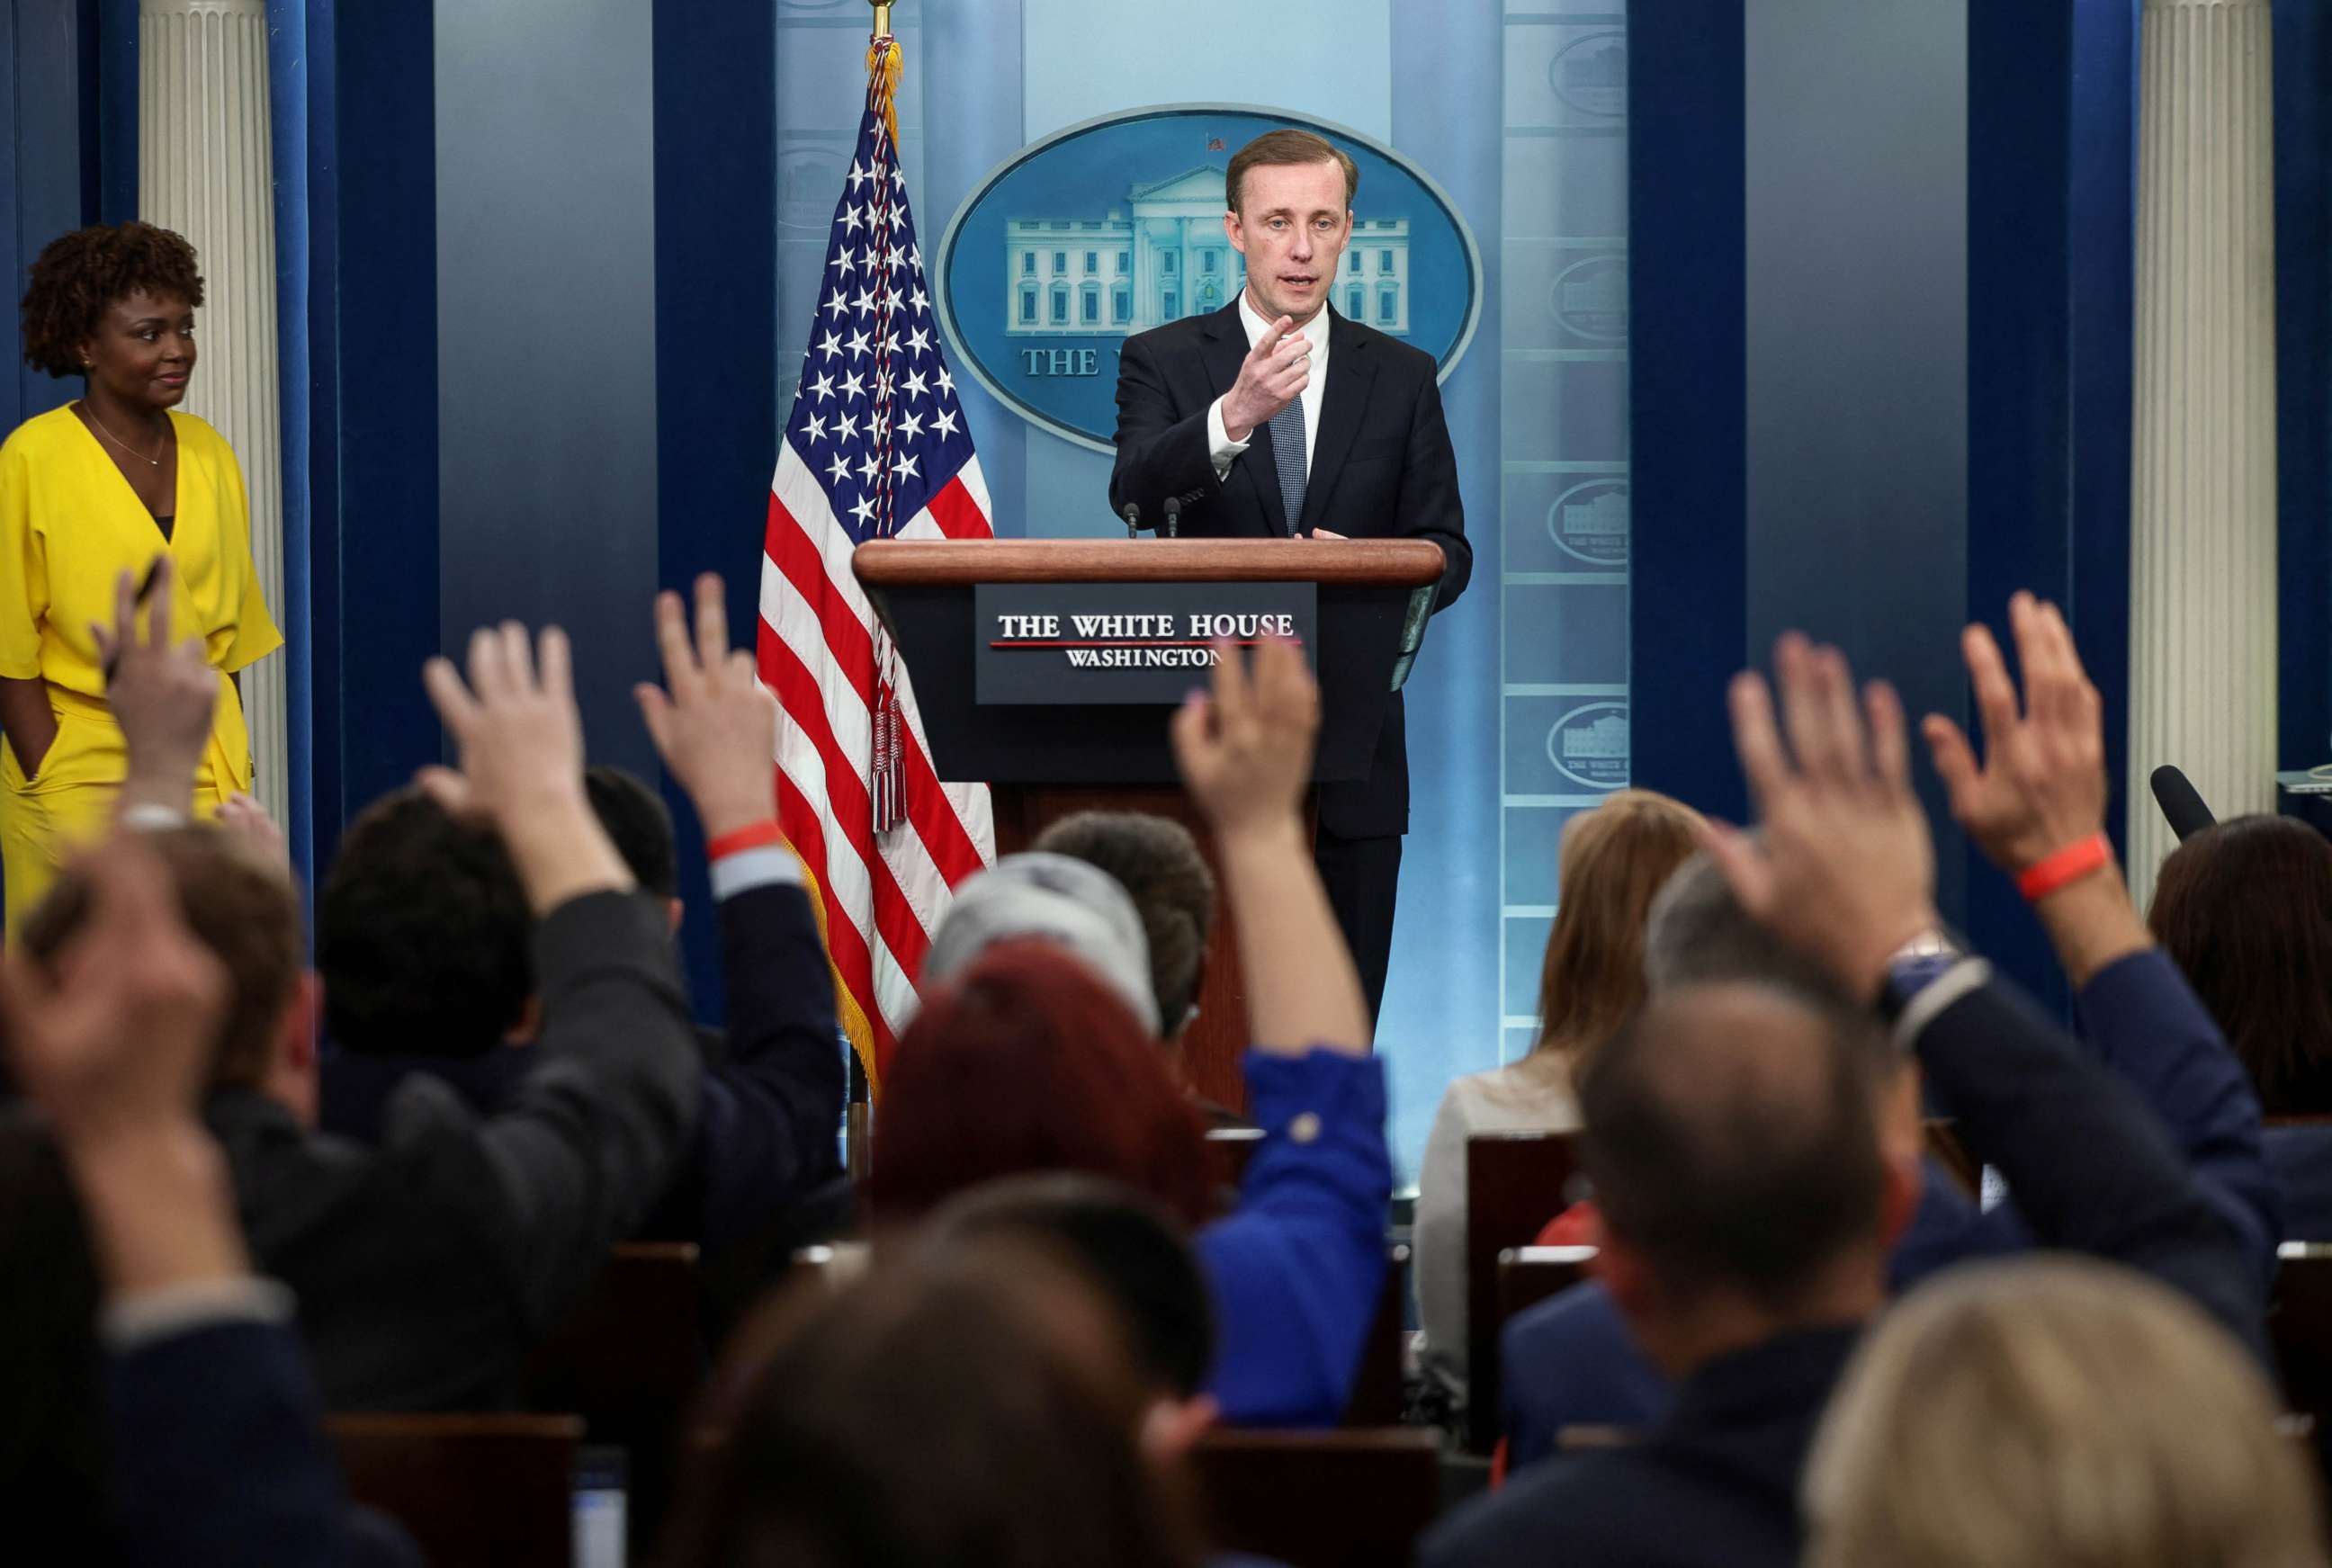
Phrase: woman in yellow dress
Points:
(105, 484)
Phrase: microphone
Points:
(2182, 808)
(1173, 516)
(1132, 515)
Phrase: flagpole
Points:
(858, 1118)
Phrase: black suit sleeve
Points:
(2090, 1167)
(1162, 448)
(773, 1114)
(601, 1122)
(1430, 508)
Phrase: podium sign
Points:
(1138, 642)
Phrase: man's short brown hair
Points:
(1273, 148)
(240, 906)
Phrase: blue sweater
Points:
(1298, 1269)
(1571, 1362)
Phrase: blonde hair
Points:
(2058, 1411)
(1615, 859)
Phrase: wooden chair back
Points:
(1228, 1149)
(2299, 1326)
(1943, 1146)
(1515, 1184)
(1529, 1275)
(629, 1359)
(1355, 1499)
(476, 1491)
(1376, 1398)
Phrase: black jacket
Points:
(426, 1268)
(772, 1091)
(1382, 468)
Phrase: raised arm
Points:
(2040, 794)
(163, 693)
(217, 1453)
(1245, 753)
(1298, 1268)
(597, 1127)
(1846, 873)
(770, 1114)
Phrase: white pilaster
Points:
(2202, 500)
(206, 169)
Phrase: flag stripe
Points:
(877, 434)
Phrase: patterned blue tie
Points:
(1287, 453)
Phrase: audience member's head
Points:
(1697, 934)
(423, 933)
(1028, 1062)
(1733, 1135)
(2056, 1413)
(2245, 909)
(241, 906)
(1071, 904)
(1158, 864)
(1614, 860)
(639, 824)
(976, 1409)
(52, 1447)
(1130, 1250)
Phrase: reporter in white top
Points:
(1614, 860)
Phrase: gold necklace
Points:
(154, 462)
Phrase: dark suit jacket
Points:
(1382, 468)
(425, 1270)
(772, 1093)
(2093, 1169)
(219, 1458)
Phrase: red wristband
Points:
(2064, 868)
(743, 838)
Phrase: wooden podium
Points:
(1043, 761)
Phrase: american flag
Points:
(876, 448)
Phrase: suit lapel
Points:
(1351, 371)
(1226, 351)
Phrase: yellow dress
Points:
(69, 525)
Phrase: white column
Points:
(206, 169)
(2202, 500)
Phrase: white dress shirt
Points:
(1316, 332)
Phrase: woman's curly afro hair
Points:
(80, 275)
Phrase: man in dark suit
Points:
(1274, 416)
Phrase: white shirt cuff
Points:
(758, 867)
(131, 1322)
(1220, 444)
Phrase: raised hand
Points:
(113, 1037)
(244, 817)
(1273, 375)
(1245, 751)
(163, 693)
(520, 741)
(717, 727)
(2042, 784)
(1846, 869)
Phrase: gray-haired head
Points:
(1697, 934)
(1054, 898)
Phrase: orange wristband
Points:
(752, 838)
(2064, 868)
